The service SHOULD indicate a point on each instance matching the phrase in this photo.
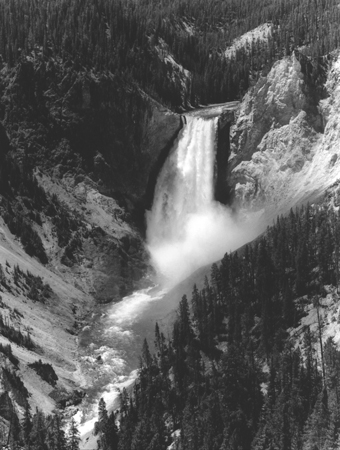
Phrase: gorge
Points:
(187, 229)
(175, 163)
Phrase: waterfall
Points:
(185, 184)
(186, 227)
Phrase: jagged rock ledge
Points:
(226, 120)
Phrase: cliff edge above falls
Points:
(284, 145)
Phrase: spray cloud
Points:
(186, 227)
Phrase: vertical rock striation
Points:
(284, 147)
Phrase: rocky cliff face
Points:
(94, 147)
(79, 155)
(222, 189)
(74, 120)
(96, 144)
(284, 143)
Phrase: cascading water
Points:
(185, 184)
(186, 229)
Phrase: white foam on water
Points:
(186, 227)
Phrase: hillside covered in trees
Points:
(126, 38)
(80, 83)
(231, 376)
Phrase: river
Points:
(187, 230)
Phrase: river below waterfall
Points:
(187, 230)
(111, 345)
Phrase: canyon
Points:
(151, 198)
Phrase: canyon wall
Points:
(284, 142)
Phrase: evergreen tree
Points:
(27, 425)
(73, 437)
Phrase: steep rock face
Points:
(97, 144)
(222, 189)
(89, 123)
(41, 310)
(245, 41)
(273, 101)
(284, 148)
(78, 156)
(266, 179)
(178, 77)
(160, 132)
(105, 254)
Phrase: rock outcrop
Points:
(80, 153)
(96, 144)
(284, 148)
(272, 102)
(85, 123)
(225, 121)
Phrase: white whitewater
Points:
(186, 229)
(185, 185)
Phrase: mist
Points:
(204, 237)
(186, 227)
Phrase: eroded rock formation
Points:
(283, 146)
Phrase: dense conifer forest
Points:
(38, 431)
(231, 376)
(126, 39)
